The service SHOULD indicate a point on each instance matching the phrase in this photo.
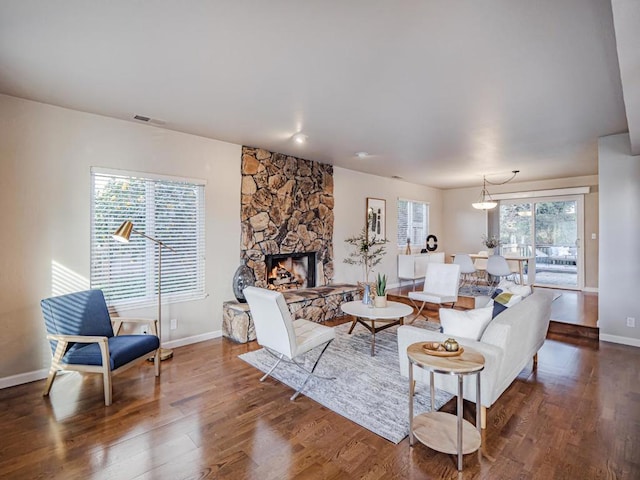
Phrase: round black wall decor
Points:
(432, 243)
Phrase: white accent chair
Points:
(441, 284)
(498, 267)
(467, 268)
(285, 338)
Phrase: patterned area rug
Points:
(367, 390)
(474, 290)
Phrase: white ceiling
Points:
(438, 92)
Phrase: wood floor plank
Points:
(576, 416)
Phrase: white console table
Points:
(414, 267)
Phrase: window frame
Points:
(148, 295)
(410, 214)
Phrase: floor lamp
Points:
(122, 234)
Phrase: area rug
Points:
(367, 390)
(474, 290)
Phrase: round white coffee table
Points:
(368, 317)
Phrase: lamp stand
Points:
(122, 235)
(165, 353)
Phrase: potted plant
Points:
(381, 292)
(491, 243)
(368, 252)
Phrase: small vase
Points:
(380, 301)
(490, 251)
(366, 296)
(241, 279)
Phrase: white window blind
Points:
(171, 211)
(413, 222)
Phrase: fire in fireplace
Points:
(290, 271)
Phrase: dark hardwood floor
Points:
(576, 417)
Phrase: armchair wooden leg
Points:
(53, 371)
(47, 386)
(157, 362)
(535, 361)
(106, 377)
(106, 371)
(483, 417)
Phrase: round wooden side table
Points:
(442, 431)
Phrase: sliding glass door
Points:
(549, 231)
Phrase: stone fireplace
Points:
(286, 209)
(287, 239)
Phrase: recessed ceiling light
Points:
(362, 154)
(299, 138)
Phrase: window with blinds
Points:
(413, 222)
(167, 209)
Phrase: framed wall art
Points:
(376, 219)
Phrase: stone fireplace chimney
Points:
(286, 208)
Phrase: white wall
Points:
(351, 190)
(619, 173)
(45, 157)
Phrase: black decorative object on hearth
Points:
(242, 279)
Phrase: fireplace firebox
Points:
(291, 270)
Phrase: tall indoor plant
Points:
(367, 251)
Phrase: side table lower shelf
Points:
(439, 431)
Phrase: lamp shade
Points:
(123, 232)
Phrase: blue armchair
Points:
(82, 338)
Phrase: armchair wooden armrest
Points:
(76, 338)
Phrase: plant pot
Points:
(490, 251)
(380, 301)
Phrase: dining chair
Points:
(467, 269)
(481, 265)
(497, 268)
(441, 284)
(284, 338)
(82, 337)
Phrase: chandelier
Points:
(485, 202)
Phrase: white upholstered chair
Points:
(467, 268)
(441, 284)
(285, 338)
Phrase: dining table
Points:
(520, 259)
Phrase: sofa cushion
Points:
(466, 324)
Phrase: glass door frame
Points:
(579, 199)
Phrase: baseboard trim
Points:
(29, 377)
(181, 342)
(632, 342)
(21, 378)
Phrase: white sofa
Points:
(510, 341)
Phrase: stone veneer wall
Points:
(286, 207)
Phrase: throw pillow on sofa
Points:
(465, 323)
(512, 287)
(503, 300)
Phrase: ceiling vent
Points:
(153, 121)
